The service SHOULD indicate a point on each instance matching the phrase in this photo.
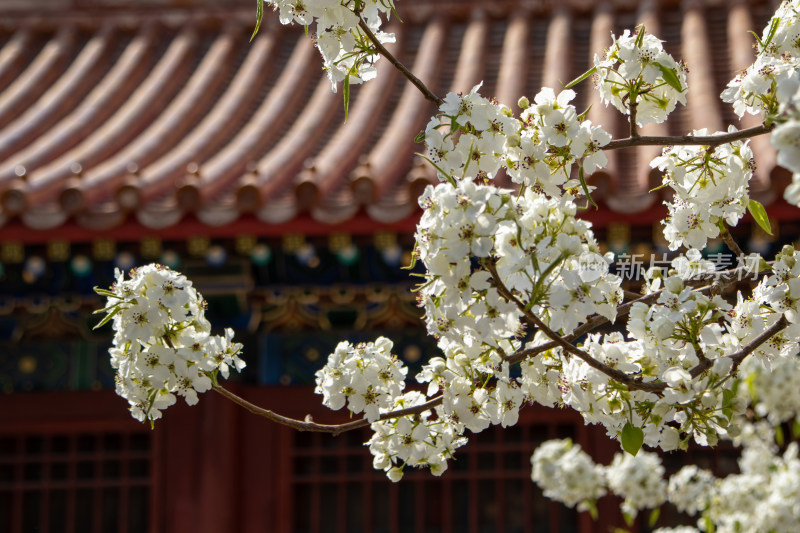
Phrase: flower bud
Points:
(395, 474)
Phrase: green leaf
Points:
(586, 190)
(108, 317)
(346, 96)
(727, 402)
(447, 176)
(420, 137)
(259, 17)
(796, 428)
(108, 293)
(772, 29)
(632, 438)
(580, 78)
(629, 518)
(671, 77)
(592, 505)
(759, 215)
(583, 115)
(758, 39)
(779, 438)
(639, 35)
(654, 514)
(751, 386)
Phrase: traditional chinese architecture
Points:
(140, 131)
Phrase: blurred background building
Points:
(152, 130)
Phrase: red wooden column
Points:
(199, 464)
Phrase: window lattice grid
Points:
(75, 483)
(486, 488)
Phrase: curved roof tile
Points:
(154, 116)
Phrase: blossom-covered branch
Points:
(517, 277)
(559, 341)
(309, 425)
(689, 140)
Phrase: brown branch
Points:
(308, 425)
(725, 278)
(427, 93)
(634, 133)
(597, 321)
(631, 295)
(590, 325)
(704, 140)
(613, 373)
(556, 341)
(730, 242)
(774, 329)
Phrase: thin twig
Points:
(587, 327)
(427, 93)
(730, 242)
(307, 425)
(723, 280)
(767, 334)
(704, 140)
(613, 373)
(632, 118)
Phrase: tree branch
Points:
(634, 133)
(774, 329)
(308, 425)
(705, 140)
(730, 242)
(427, 93)
(613, 373)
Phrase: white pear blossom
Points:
(366, 376)
(710, 185)
(516, 277)
(567, 474)
(638, 479)
(162, 345)
(635, 70)
(346, 51)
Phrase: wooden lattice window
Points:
(75, 482)
(486, 489)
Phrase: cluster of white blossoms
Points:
(568, 474)
(776, 383)
(689, 489)
(770, 89)
(762, 497)
(473, 137)
(414, 440)
(638, 479)
(710, 185)
(636, 70)
(481, 245)
(514, 277)
(367, 376)
(347, 53)
(162, 342)
(666, 344)
(542, 254)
